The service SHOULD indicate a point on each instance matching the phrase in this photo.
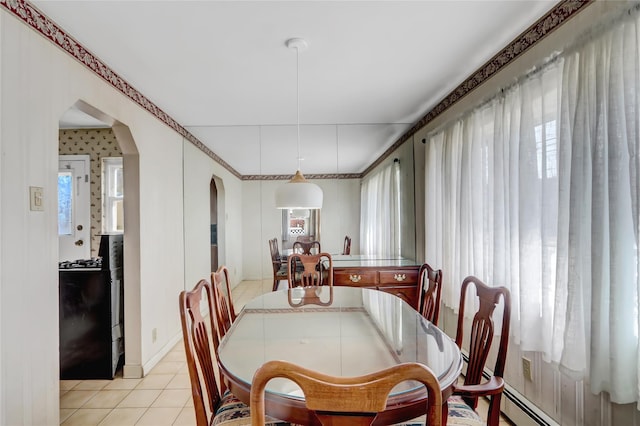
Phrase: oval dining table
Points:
(340, 331)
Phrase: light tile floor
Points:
(161, 398)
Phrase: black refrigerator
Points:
(91, 313)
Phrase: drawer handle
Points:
(355, 278)
(399, 277)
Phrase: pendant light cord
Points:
(298, 101)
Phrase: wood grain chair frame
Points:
(308, 270)
(481, 337)
(212, 401)
(222, 302)
(346, 248)
(345, 400)
(199, 351)
(279, 269)
(429, 292)
(303, 296)
(311, 247)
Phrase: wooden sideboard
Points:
(398, 276)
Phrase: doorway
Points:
(88, 130)
(74, 207)
(213, 194)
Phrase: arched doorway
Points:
(213, 193)
(83, 115)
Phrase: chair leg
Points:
(275, 284)
(493, 416)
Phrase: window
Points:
(65, 203)
(112, 195)
(546, 149)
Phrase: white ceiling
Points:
(221, 68)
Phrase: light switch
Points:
(36, 196)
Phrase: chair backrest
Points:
(302, 296)
(310, 270)
(306, 238)
(275, 254)
(311, 247)
(346, 249)
(346, 400)
(199, 350)
(430, 289)
(482, 330)
(222, 302)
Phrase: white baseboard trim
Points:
(517, 407)
(146, 368)
(523, 412)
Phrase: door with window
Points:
(74, 207)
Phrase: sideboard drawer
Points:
(399, 277)
(356, 278)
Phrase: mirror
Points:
(300, 224)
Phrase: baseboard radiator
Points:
(521, 412)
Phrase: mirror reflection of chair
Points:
(308, 270)
(481, 337)
(302, 296)
(346, 249)
(279, 267)
(311, 247)
(346, 400)
(222, 302)
(430, 289)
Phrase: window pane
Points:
(118, 216)
(112, 195)
(65, 203)
(116, 190)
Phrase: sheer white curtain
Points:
(539, 192)
(380, 212)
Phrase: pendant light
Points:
(298, 193)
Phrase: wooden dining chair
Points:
(311, 247)
(481, 337)
(222, 301)
(303, 296)
(279, 267)
(345, 400)
(346, 248)
(212, 402)
(310, 270)
(429, 292)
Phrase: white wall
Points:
(38, 82)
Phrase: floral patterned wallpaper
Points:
(97, 143)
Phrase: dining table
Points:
(339, 331)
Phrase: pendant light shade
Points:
(298, 193)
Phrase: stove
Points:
(91, 314)
(93, 263)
